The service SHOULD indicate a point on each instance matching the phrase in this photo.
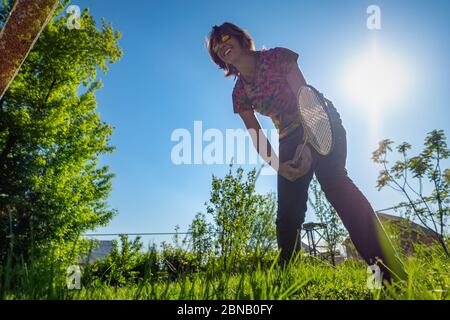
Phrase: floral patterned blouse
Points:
(270, 94)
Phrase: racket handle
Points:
(298, 155)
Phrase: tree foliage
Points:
(125, 263)
(242, 222)
(51, 138)
(421, 179)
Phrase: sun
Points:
(377, 78)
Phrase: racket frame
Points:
(306, 131)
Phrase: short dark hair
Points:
(243, 37)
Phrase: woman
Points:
(268, 82)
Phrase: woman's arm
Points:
(265, 150)
(259, 139)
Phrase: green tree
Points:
(334, 232)
(200, 238)
(263, 238)
(242, 219)
(51, 137)
(422, 180)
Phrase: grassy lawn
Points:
(301, 280)
(306, 278)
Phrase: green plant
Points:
(243, 221)
(422, 180)
(200, 239)
(118, 268)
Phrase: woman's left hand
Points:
(288, 171)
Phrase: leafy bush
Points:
(120, 266)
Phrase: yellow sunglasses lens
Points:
(223, 38)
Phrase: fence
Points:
(311, 235)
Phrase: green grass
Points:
(306, 278)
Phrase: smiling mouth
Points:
(227, 52)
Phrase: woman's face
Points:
(229, 50)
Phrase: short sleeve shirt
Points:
(270, 94)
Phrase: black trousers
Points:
(349, 202)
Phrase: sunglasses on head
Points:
(223, 38)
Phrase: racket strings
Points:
(316, 121)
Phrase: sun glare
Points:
(377, 79)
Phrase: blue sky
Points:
(166, 81)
